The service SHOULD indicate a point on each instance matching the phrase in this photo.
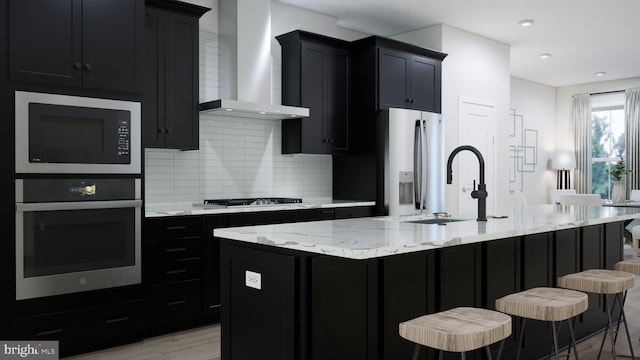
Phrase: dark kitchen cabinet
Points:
(109, 325)
(263, 302)
(391, 73)
(316, 73)
(170, 99)
(172, 272)
(211, 266)
(82, 43)
(409, 81)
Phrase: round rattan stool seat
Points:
(546, 304)
(458, 330)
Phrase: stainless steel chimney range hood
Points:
(252, 110)
(244, 63)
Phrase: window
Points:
(608, 146)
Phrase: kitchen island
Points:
(338, 289)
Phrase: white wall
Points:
(476, 67)
(240, 157)
(537, 105)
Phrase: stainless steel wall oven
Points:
(77, 234)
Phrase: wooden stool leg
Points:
(416, 351)
(440, 354)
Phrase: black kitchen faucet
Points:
(481, 192)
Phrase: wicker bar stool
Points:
(460, 330)
(545, 304)
(605, 282)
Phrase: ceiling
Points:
(582, 36)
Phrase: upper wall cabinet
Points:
(316, 73)
(391, 73)
(83, 43)
(170, 94)
(408, 81)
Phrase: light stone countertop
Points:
(366, 238)
(191, 209)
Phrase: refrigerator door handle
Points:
(425, 166)
(417, 165)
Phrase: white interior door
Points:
(476, 125)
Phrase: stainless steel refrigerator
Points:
(414, 162)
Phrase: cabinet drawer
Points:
(56, 326)
(172, 272)
(112, 325)
(172, 249)
(85, 329)
(175, 306)
(172, 227)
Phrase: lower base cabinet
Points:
(85, 329)
(263, 306)
(176, 306)
(350, 309)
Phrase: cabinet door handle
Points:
(117, 320)
(173, 250)
(330, 141)
(178, 302)
(168, 131)
(77, 66)
(87, 67)
(49, 332)
(160, 130)
(175, 272)
(179, 227)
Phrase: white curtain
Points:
(581, 114)
(632, 137)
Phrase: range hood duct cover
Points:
(244, 61)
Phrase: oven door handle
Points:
(78, 205)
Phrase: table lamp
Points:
(563, 161)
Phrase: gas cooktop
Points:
(252, 201)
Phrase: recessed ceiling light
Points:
(525, 23)
(545, 56)
(600, 73)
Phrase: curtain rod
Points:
(607, 92)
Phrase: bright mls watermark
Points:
(32, 350)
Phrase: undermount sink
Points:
(438, 221)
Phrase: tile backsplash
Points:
(237, 157)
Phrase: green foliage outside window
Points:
(607, 147)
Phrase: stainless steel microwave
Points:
(76, 135)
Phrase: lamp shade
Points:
(563, 160)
